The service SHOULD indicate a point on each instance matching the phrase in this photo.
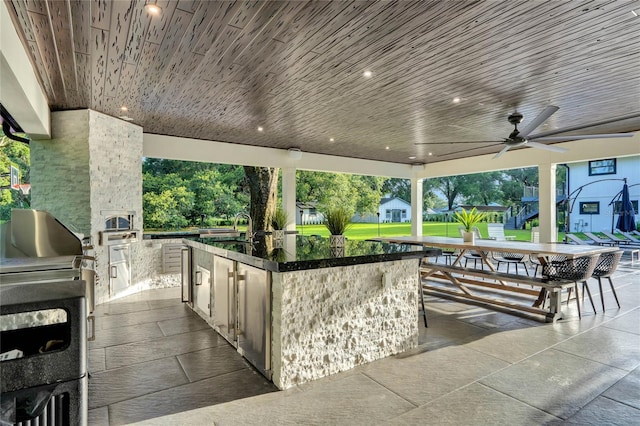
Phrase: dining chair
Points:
(510, 259)
(606, 266)
(578, 269)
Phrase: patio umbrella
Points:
(626, 220)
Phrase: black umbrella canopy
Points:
(626, 220)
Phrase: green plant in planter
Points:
(469, 219)
(279, 219)
(337, 220)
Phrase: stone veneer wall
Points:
(325, 321)
(60, 181)
(92, 164)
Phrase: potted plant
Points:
(337, 221)
(279, 223)
(469, 219)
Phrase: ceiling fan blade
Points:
(547, 147)
(447, 143)
(505, 149)
(578, 137)
(585, 126)
(546, 113)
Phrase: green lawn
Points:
(362, 231)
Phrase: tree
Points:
(212, 190)
(263, 190)
(18, 154)
(452, 187)
(355, 193)
(482, 188)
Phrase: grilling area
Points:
(106, 322)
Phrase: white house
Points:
(391, 209)
(308, 214)
(593, 185)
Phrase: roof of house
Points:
(385, 200)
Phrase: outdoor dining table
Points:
(492, 279)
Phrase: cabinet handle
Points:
(92, 321)
(198, 278)
(241, 277)
(114, 272)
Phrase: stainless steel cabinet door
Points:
(202, 289)
(224, 297)
(119, 268)
(254, 316)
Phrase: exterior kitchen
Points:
(105, 321)
(295, 308)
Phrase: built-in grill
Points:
(118, 235)
(43, 322)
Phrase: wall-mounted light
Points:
(295, 153)
(152, 8)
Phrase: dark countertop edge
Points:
(193, 234)
(302, 265)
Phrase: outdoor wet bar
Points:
(298, 309)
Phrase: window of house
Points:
(602, 167)
(590, 207)
(388, 213)
(617, 206)
(404, 214)
(312, 211)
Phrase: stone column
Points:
(416, 207)
(92, 164)
(547, 202)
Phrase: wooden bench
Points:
(461, 287)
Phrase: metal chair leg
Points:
(586, 286)
(577, 299)
(601, 293)
(614, 291)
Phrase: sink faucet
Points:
(249, 234)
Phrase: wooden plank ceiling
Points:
(218, 70)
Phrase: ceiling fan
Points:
(521, 137)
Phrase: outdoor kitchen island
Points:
(298, 309)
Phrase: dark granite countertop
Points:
(297, 252)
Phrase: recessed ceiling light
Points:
(124, 108)
(260, 129)
(331, 139)
(367, 74)
(387, 148)
(412, 157)
(456, 100)
(152, 8)
(430, 153)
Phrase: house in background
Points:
(391, 209)
(308, 214)
(593, 192)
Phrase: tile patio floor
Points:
(155, 362)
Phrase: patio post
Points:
(416, 207)
(547, 202)
(289, 196)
